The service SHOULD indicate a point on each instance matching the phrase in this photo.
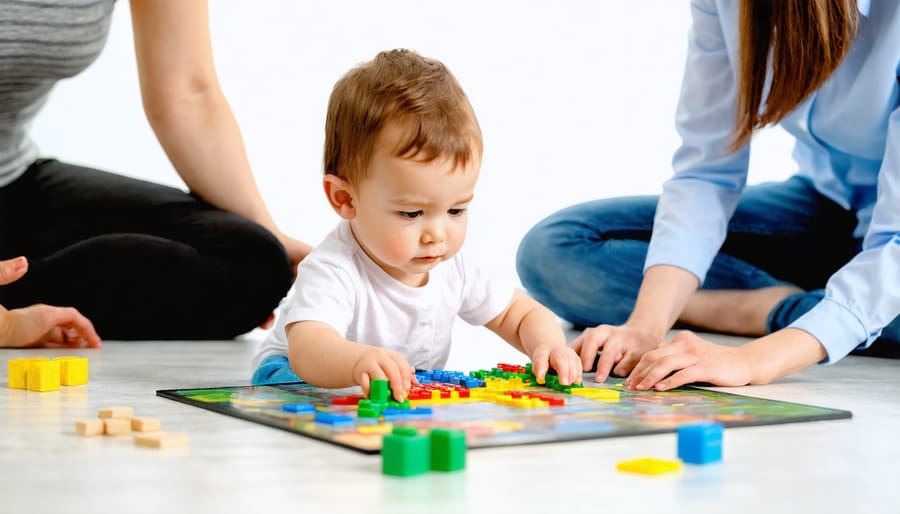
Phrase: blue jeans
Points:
(274, 369)
(586, 262)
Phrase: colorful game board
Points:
(498, 409)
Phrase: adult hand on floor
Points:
(41, 325)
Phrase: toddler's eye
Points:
(456, 212)
(410, 214)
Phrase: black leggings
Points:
(141, 260)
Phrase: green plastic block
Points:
(405, 455)
(406, 431)
(366, 412)
(379, 391)
(448, 450)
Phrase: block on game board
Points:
(145, 424)
(448, 449)
(649, 466)
(116, 412)
(73, 371)
(379, 391)
(43, 375)
(116, 426)
(89, 427)
(405, 453)
(161, 440)
(700, 443)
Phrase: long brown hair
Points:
(807, 40)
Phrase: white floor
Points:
(238, 466)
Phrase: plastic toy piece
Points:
(43, 375)
(649, 466)
(116, 426)
(73, 371)
(448, 450)
(700, 443)
(405, 453)
(144, 424)
(299, 408)
(89, 427)
(17, 371)
(379, 391)
(116, 412)
(161, 440)
(333, 419)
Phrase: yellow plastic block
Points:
(89, 427)
(376, 429)
(597, 393)
(116, 412)
(17, 371)
(73, 370)
(649, 466)
(141, 424)
(43, 375)
(161, 440)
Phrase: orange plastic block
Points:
(143, 424)
(649, 466)
(161, 440)
(116, 412)
(73, 370)
(43, 375)
(89, 427)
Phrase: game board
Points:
(504, 413)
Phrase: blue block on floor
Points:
(700, 443)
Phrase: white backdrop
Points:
(576, 101)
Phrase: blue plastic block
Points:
(333, 419)
(300, 408)
(700, 443)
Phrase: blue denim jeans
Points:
(274, 369)
(586, 262)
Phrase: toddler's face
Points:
(412, 215)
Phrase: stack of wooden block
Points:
(122, 421)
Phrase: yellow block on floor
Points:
(649, 466)
(43, 375)
(73, 370)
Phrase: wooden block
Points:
(143, 424)
(116, 412)
(161, 440)
(88, 427)
(116, 426)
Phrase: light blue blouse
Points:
(847, 142)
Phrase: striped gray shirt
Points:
(41, 42)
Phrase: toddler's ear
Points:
(339, 196)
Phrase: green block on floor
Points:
(448, 450)
(405, 455)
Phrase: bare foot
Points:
(734, 311)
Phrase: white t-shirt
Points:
(339, 285)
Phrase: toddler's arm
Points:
(322, 357)
(532, 328)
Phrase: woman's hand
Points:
(620, 346)
(41, 325)
(687, 358)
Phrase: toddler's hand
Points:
(562, 358)
(381, 363)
